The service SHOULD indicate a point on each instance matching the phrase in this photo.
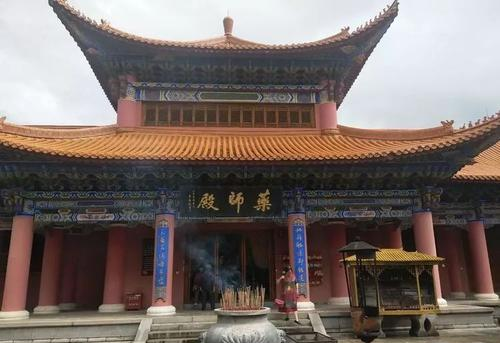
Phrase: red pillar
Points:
(18, 267)
(327, 113)
(453, 246)
(338, 239)
(297, 248)
(423, 231)
(112, 300)
(481, 270)
(51, 267)
(67, 288)
(163, 266)
(392, 234)
(128, 113)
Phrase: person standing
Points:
(197, 289)
(207, 289)
(289, 293)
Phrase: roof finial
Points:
(228, 25)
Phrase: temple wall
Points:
(179, 268)
(92, 260)
(35, 272)
(4, 250)
(33, 291)
(280, 249)
(135, 282)
(319, 244)
(493, 240)
(371, 236)
(2, 283)
(442, 251)
(464, 259)
(91, 268)
(443, 267)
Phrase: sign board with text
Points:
(214, 202)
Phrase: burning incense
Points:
(243, 299)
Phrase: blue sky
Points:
(439, 59)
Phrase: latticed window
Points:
(228, 115)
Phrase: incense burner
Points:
(250, 326)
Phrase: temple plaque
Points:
(213, 202)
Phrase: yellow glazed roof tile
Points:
(400, 256)
(486, 166)
(175, 144)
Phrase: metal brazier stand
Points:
(366, 320)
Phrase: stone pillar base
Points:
(49, 309)
(67, 306)
(161, 310)
(442, 302)
(339, 301)
(111, 308)
(485, 296)
(305, 306)
(13, 315)
(457, 295)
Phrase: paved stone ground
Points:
(452, 336)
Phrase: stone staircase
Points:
(186, 329)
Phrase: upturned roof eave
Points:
(68, 16)
(85, 30)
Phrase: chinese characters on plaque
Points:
(236, 200)
(300, 255)
(161, 260)
(230, 202)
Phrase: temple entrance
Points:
(232, 259)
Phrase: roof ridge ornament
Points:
(104, 23)
(228, 23)
(480, 121)
(447, 124)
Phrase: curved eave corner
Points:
(68, 14)
(484, 168)
(79, 26)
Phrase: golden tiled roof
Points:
(399, 256)
(486, 166)
(212, 144)
(227, 42)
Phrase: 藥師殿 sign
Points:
(210, 202)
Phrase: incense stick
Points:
(243, 299)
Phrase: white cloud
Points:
(437, 61)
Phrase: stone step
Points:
(193, 333)
(174, 340)
(175, 334)
(281, 316)
(186, 319)
(280, 323)
(193, 336)
(210, 317)
(180, 326)
(202, 326)
(189, 328)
